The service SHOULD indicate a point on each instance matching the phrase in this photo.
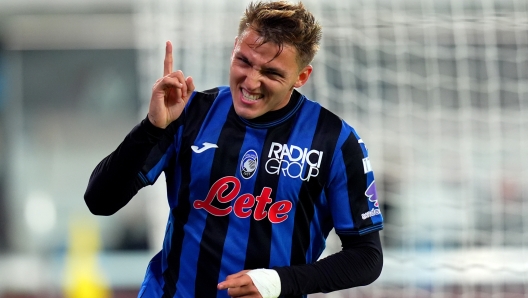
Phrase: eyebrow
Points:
(268, 69)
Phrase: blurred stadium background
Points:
(437, 89)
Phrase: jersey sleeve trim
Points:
(143, 179)
(364, 231)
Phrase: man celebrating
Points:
(257, 174)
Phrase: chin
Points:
(245, 113)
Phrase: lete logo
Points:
(243, 205)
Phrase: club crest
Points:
(249, 164)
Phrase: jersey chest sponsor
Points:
(226, 190)
(293, 161)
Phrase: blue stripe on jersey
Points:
(302, 137)
(154, 173)
(236, 241)
(169, 229)
(189, 255)
(318, 233)
(340, 209)
(201, 165)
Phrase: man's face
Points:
(259, 81)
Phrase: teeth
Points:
(249, 96)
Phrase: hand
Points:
(170, 93)
(240, 285)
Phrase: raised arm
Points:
(116, 179)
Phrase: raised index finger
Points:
(167, 63)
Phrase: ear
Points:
(303, 76)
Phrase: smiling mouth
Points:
(251, 97)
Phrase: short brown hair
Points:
(282, 23)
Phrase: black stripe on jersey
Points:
(160, 149)
(357, 180)
(325, 139)
(195, 115)
(225, 163)
(258, 251)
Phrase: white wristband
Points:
(267, 282)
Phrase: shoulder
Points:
(329, 123)
(215, 101)
(220, 91)
(324, 114)
(202, 101)
(326, 120)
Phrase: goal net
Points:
(439, 92)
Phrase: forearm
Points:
(358, 264)
(115, 180)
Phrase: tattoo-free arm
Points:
(359, 263)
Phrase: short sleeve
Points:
(351, 189)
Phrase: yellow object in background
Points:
(83, 277)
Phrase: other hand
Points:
(240, 285)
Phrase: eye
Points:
(274, 74)
(244, 61)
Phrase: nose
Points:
(253, 79)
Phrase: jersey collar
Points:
(277, 117)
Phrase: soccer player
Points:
(257, 174)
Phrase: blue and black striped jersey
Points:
(255, 194)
